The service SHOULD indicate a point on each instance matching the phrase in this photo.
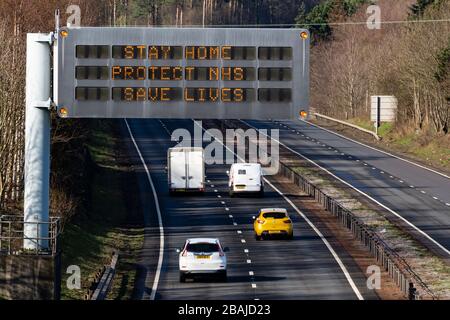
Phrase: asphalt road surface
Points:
(303, 268)
(419, 196)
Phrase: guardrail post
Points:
(411, 292)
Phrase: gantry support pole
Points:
(37, 142)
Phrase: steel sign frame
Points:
(66, 62)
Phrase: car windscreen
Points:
(275, 215)
(202, 247)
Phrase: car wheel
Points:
(258, 238)
(182, 277)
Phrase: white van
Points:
(186, 169)
(246, 177)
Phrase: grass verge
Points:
(430, 268)
(110, 223)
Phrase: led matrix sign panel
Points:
(182, 73)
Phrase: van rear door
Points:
(195, 170)
(247, 175)
(178, 170)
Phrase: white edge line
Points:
(356, 189)
(161, 228)
(325, 241)
(385, 152)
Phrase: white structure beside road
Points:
(388, 109)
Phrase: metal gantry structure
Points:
(37, 141)
(219, 73)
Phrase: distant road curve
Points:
(418, 196)
(379, 150)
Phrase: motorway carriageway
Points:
(419, 197)
(304, 268)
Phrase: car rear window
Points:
(275, 215)
(202, 247)
(241, 171)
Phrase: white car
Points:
(246, 178)
(203, 257)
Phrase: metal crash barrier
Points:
(398, 269)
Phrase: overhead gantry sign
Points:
(182, 73)
(153, 73)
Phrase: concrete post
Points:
(37, 141)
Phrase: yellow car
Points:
(273, 222)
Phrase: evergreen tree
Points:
(316, 20)
(418, 8)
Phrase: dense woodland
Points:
(349, 63)
(409, 61)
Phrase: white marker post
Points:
(37, 142)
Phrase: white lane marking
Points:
(209, 181)
(219, 196)
(251, 273)
(401, 181)
(222, 202)
(227, 209)
(249, 261)
(253, 285)
(230, 216)
(239, 232)
(165, 128)
(356, 189)
(435, 198)
(324, 240)
(212, 186)
(216, 190)
(385, 152)
(447, 204)
(158, 211)
(234, 224)
(423, 192)
(246, 250)
(243, 241)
